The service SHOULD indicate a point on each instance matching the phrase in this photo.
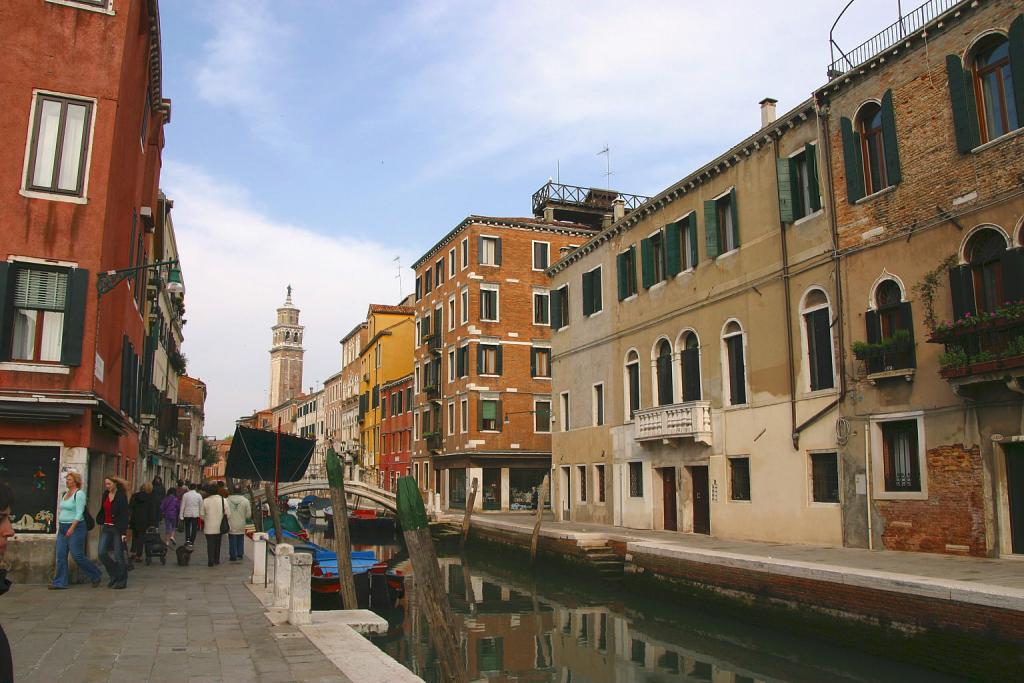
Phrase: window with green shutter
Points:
(965, 111)
(711, 228)
(721, 224)
(42, 313)
(559, 301)
(690, 246)
(647, 262)
(853, 164)
(592, 292)
(673, 248)
(625, 263)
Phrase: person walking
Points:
(71, 534)
(191, 507)
(113, 520)
(169, 509)
(6, 532)
(215, 524)
(239, 511)
(142, 518)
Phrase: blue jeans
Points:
(76, 544)
(236, 546)
(111, 544)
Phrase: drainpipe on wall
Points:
(788, 307)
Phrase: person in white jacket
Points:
(239, 511)
(191, 506)
(214, 512)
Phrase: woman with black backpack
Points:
(71, 533)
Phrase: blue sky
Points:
(313, 142)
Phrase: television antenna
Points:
(608, 166)
(398, 265)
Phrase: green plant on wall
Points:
(899, 341)
(929, 286)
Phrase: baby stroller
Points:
(155, 547)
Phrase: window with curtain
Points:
(40, 297)
(59, 146)
(901, 457)
(872, 147)
(985, 252)
(489, 415)
(993, 88)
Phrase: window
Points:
(465, 252)
(890, 330)
(419, 288)
(408, 399)
(540, 308)
(540, 362)
(39, 301)
(541, 253)
(636, 480)
(451, 263)
(993, 88)
(462, 361)
(663, 373)
(632, 384)
(451, 365)
(489, 303)
(799, 194)
(560, 307)
(488, 359)
(147, 108)
(818, 338)
(451, 314)
(739, 478)
(464, 302)
(439, 271)
(59, 147)
(592, 292)
(451, 419)
(565, 410)
(900, 454)
(599, 482)
(489, 253)
(721, 224)
(824, 478)
(598, 405)
(376, 354)
(690, 359)
(490, 415)
(542, 417)
(625, 263)
(464, 415)
(984, 251)
(581, 475)
(652, 257)
(735, 363)
(428, 279)
(687, 228)
(870, 152)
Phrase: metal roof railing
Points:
(588, 197)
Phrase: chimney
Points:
(767, 111)
(618, 208)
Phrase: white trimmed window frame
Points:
(25, 191)
(533, 254)
(878, 491)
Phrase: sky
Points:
(326, 145)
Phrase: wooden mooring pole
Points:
(275, 514)
(535, 541)
(470, 503)
(430, 589)
(342, 542)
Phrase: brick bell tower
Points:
(286, 354)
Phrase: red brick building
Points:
(482, 381)
(395, 430)
(81, 123)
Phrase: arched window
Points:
(663, 372)
(869, 125)
(690, 360)
(984, 254)
(818, 337)
(632, 384)
(993, 88)
(735, 363)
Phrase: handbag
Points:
(224, 520)
(90, 522)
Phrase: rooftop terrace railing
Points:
(588, 197)
(884, 39)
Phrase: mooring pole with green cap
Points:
(430, 589)
(342, 542)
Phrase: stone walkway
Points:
(172, 623)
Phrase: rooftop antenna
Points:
(608, 166)
(558, 171)
(398, 264)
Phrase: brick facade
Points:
(396, 431)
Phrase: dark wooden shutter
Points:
(734, 210)
(622, 272)
(664, 372)
(497, 251)
(74, 317)
(479, 249)
(479, 359)
(820, 336)
(480, 414)
(737, 371)
(691, 374)
(647, 262)
(1016, 48)
(787, 196)
(892, 150)
(691, 229)
(961, 289)
(673, 248)
(596, 301)
(125, 375)
(460, 362)
(874, 327)
(711, 228)
(813, 188)
(588, 287)
(965, 110)
(375, 396)
(6, 308)
(533, 362)
(419, 288)
(852, 161)
(1013, 275)
(907, 323)
(497, 362)
(497, 415)
(555, 303)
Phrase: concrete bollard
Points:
(259, 558)
(299, 603)
(282, 574)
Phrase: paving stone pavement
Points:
(197, 623)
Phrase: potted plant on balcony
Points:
(899, 342)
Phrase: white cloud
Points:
(236, 263)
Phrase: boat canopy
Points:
(253, 455)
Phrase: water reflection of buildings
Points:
(510, 635)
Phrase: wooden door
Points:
(701, 500)
(1015, 494)
(668, 485)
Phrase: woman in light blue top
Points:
(71, 534)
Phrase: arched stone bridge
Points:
(357, 489)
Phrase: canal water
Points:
(532, 625)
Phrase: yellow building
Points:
(386, 356)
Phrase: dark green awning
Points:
(253, 452)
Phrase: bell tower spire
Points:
(286, 353)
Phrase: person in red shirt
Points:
(113, 522)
